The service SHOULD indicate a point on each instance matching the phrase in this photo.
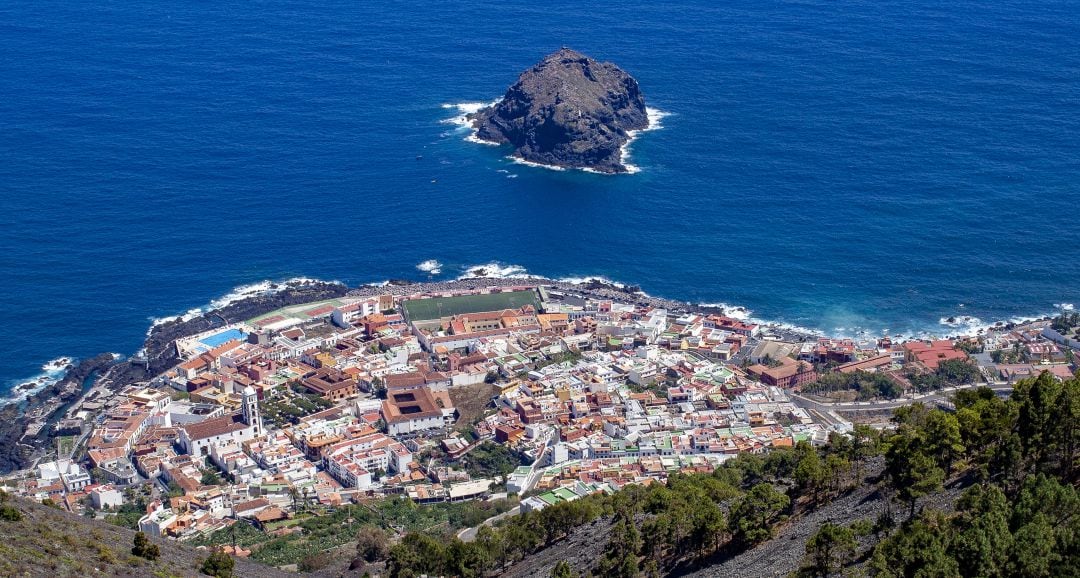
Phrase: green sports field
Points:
(434, 308)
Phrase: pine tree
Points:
(144, 548)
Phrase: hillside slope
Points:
(48, 543)
(780, 556)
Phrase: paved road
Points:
(469, 534)
(942, 395)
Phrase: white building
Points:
(158, 521)
(70, 473)
(106, 496)
(196, 438)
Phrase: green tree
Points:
(218, 564)
(982, 539)
(144, 548)
(838, 468)
(828, 550)
(417, 554)
(753, 515)
(466, 559)
(1040, 411)
(986, 422)
(1046, 526)
(492, 543)
(912, 472)
(372, 544)
(10, 513)
(563, 570)
(810, 475)
(1034, 553)
(919, 549)
(710, 527)
(621, 555)
(210, 478)
(865, 444)
(944, 441)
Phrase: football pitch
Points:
(437, 307)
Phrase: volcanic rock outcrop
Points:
(567, 111)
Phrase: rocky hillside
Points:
(780, 556)
(47, 542)
(569, 110)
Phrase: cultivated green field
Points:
(434, 308)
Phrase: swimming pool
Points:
(223, 337)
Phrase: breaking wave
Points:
(51, 372)
(265, 287)
(496, 270)
(656, 118)
(461, 119)
(431, 267)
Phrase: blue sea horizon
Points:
(844, 166)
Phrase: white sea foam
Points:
(265, 287)
(1064, 306)
(51, 372)
(972, 326)
(962, 322)
(496, 270)
(461, 119)
(656, 118)
(733, 311)
(592, 278)
(431, 267)
(59, 364)
(521, 161)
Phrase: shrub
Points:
(219, 565)
(144, 548)
(10, 514)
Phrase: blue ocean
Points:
(844, 165)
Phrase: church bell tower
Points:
(251, 410)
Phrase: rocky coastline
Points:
(25, 428)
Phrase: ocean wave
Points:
(591, 279)
(973, 326)
(431, 267)
(239, 293)
(656, 118)
(733, 311)
(961, 322)
(496, 270)
(51, 372)
(461, 119)
(521, 161)
(1064, 306)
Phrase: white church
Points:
(238, 427)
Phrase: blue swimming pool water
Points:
(223, 337)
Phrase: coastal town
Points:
(520, 390)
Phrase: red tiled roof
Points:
(214, 427)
